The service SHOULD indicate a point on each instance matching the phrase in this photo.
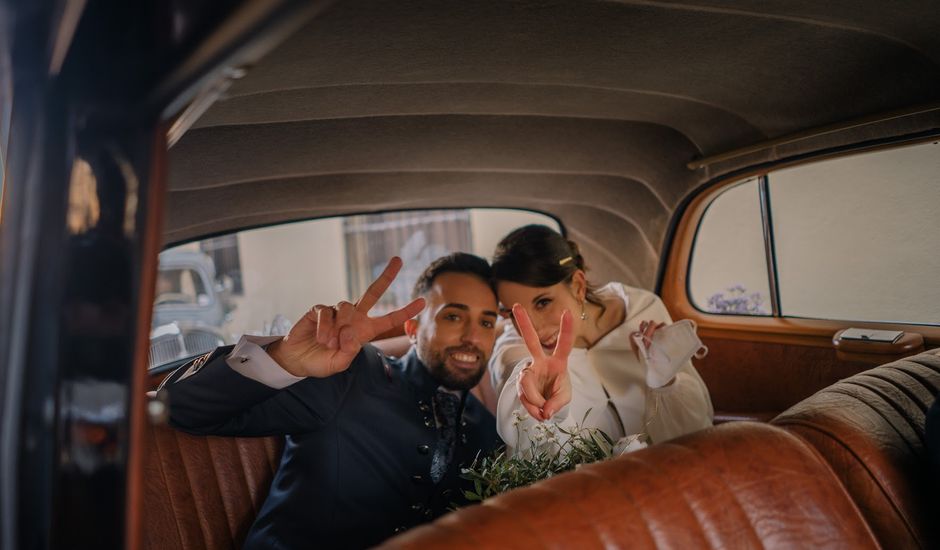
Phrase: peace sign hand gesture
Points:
(327, 338)
(544, 386)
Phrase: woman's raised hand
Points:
(327, 338)
(544, 386)
(644, 336)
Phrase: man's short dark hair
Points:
(458, 262)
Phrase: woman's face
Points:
(545, 306)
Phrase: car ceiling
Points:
(589, 111)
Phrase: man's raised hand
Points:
(327, 338)
(544, 386)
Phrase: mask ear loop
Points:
(703, 350)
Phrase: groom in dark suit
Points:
(374, 444)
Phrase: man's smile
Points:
(465, 359)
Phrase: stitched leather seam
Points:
(887, 421)
(904, 388)
(546, 488)
(699, 519)
(201, 513)
(189, 483)
(895, 404)
(243, 463)
(629, 498)
(734, 498)
(913, 368)
(211, 444)
(521, 518)
(162, 460)
(837, 441)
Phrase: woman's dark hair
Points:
(536, 255)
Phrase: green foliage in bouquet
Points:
(549, 454)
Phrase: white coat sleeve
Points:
(682, 407)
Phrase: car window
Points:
(728, 273)
(260, 281)
(852, 238)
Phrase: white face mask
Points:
(672, 347)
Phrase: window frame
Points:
(394, 332)
(677, 257)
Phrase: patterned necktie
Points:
(446, 406)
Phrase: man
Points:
(374, 444)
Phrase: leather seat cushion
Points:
(870, 428)
(204, 492)
(739, 485)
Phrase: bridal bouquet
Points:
(553, 450)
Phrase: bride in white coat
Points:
(571, 352)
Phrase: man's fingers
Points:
(379, 286)
(345, 312)
(565, 337)
(349, 341)
(324, 323)
(528, 331)
(397, 317)
(349, 346)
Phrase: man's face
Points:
(454, 334)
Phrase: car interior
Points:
(770, 169)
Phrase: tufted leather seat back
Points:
(203, 492)
(870, 428)
(739, 485)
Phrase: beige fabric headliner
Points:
(586, 110)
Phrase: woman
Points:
(569, 356)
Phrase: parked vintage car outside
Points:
(190, 308)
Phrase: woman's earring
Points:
(583, 314)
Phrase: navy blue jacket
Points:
(357, 456)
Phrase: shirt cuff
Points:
(251, 361)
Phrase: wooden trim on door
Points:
(788, 330)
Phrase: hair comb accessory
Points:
(565, 260)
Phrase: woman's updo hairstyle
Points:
(538, 256)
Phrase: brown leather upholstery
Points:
(203, 492)
(844, 468)
(870, 428)
(740, 485)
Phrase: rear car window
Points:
(728, 273)
(259, 281)
(851, 238)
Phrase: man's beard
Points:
(452, 379)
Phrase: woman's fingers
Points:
(555, 403)
(530, 394)
(379, 286)
(529, 388)
(533, 411)
(565, 337)
(648, 328)
(527, 331)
